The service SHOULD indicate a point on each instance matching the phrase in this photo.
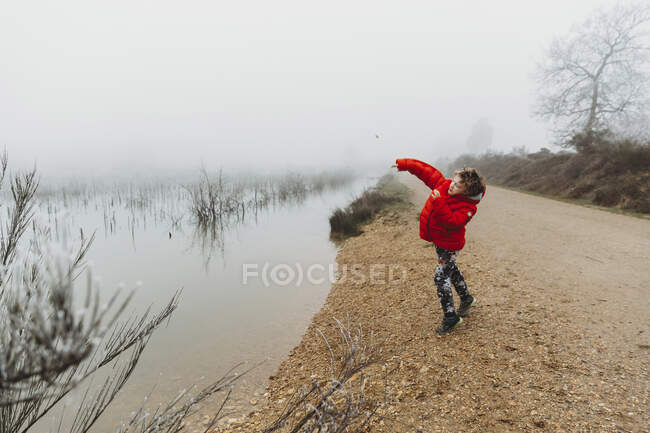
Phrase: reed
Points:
(220, 199)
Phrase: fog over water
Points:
(121, 104)
(98, 88)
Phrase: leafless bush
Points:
(337, 404)
(171, 417)
(50, 345)
(23, 188)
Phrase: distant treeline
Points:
(609, 172)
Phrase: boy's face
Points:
(457, 186)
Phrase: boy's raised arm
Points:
(431, 176)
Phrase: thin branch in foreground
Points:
(339, 403)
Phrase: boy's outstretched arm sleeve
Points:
(426, 173)
(452, 219)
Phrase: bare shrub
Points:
(626, 155)
(610, 171)
(171, 417)
(581, 190)
(49, 345)
(608, 195)
(641, 205)
(575, 167)
(336, 404)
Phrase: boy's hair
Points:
(473, 181)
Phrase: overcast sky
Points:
(171, 84)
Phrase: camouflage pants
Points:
(447, 273)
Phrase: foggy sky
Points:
(90, 86)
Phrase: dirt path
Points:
(599, 260)
(558, 342)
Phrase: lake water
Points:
(221, 321)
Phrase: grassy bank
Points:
(613, 174)
(388, 192)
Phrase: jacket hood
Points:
(476, 197)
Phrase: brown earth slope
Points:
(559, 340)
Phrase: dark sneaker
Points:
(448, 324)
(465, 306)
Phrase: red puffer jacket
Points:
(443, 219)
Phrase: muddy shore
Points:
(558, 342)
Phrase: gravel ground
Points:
(558, 342)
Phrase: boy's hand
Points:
(393, 166)
(435, 193)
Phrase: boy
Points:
(451, 205)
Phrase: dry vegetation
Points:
(605, 171)
(346, 222)
(219, 199)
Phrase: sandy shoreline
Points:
(530, 357)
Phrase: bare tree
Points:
(596, 77)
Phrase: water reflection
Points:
(211, 205)
(151, 235)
